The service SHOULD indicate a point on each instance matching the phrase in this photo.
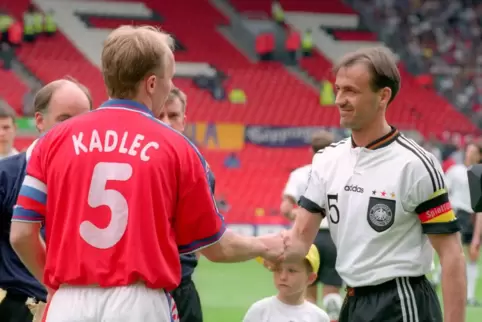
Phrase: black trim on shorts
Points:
(437, 183)
(310, 206)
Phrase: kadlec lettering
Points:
(124, 143)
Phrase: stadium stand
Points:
(274, 96)
(12, 89)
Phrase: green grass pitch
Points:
(227, 290)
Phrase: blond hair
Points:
(179, 94)
(382, 65)
(44, 95)
(132, 53)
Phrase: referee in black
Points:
(185, 295)
(54, 103)
(386, 231)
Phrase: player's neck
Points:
(293, 299)
(142, 99)
(366, 136)
(6, 150)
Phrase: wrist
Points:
(259, 247)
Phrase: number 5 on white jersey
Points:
(107, 237)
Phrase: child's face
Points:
(292, 278)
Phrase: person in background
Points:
(28, 25)
(54, 103)
(459, 195)
(8, 130)
(232, 161)
(277, 12)
(185, 295)
(307, 43)
(290, 304)
(50, 26)
(326, 274)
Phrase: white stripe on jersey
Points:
(35, 183)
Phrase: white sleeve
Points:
(314, 197)
(428, 198)
(449, 177)
(294, 188)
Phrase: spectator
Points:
(232, 161)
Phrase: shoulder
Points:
(13, 165)
(13, 161)
(261, 304)
(304, 170)
(332, 151)
(456, 169)
(416, 158)
(316, 311)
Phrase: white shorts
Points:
(117, 304)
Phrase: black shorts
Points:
(188, 302)
(327, 273)
(405, 299)
(13, 308)
(466, 222)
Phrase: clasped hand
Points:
(278, 248)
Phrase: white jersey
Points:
(458, 187)
(380, 202)
(297, 184)
(271, 309)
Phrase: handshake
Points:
(276, 248)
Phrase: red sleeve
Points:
(198, 223)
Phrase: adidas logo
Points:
(353, 188)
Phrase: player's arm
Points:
(287, 206)
(477, 229)
(291, 194)
(28, 216)
(309, 215)
(200, 227)
(431, 203)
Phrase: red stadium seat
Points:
(274, 96)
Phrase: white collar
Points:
(30, 149)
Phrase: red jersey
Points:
(122, 196)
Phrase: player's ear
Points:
(385, 95)
(39, 121)
(311, 278)
(151, 83)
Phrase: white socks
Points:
(472, 274)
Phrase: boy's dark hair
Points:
(7, 112)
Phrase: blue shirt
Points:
(189, 261)
(14, 275)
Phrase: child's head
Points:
(293, 278)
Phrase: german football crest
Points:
(381, 213)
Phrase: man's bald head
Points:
(59, 101)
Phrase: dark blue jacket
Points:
(14, 275)
(189, 261)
